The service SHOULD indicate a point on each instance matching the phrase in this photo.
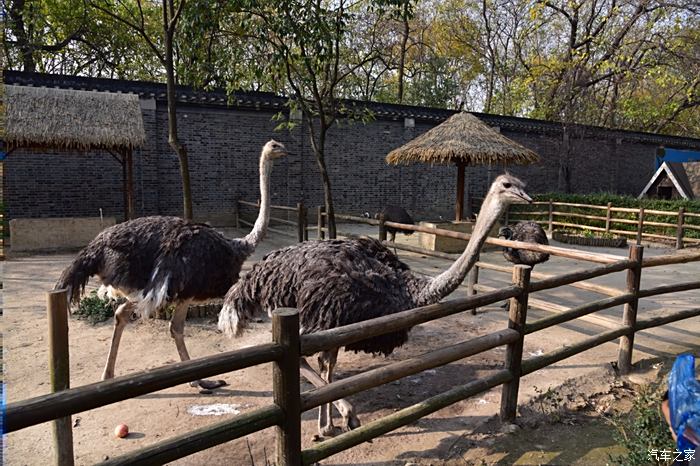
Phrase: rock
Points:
(510, 428)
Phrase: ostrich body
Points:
(392, 213)
(340, 282)
(156, 261)
(529, 232)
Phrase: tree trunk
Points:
(402, 58)
(319, 148)
(18, 28)
(173, 139)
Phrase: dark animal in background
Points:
(340, 282)
(157, 261)
(529, 232)
(396, 214)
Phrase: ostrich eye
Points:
(507, 185)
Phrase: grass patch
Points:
(95, 309)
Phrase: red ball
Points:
(121, 431)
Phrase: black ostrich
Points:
(396, 214)
(157, 261)
(529, 232)
(340, 282)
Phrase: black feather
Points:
(529, 232)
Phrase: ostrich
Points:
(396, 214)
(529, 232)
(340, 282)
(157, 261)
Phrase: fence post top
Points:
(285, 312)
(57, 292)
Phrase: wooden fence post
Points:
(320, 234)
(285, 380)
(679, 229)
(608, 216)
(472, 280)
(517, 316)
(551, 217)
(301, 222)
(59, 371)
(382, 228)
(237, 214)
(640, 225)
(629, 315)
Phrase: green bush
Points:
(95, 309)
(643, 429)
(539, 212)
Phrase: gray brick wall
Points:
(224, 145)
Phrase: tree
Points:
(141, 18)
(304, 42)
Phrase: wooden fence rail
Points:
(288, 346)
(300, 219)
(645, 228)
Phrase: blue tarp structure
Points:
(676, 155)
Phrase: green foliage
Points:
(643, 429)
(95, 309)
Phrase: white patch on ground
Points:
(539, 352)
(218, 409)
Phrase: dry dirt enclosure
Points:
(459, 434)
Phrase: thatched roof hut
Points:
(49, 118)
(69, 119)
(462, 139)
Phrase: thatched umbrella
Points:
(462, 139)
(48, 118)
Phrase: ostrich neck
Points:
(260, 227)
(449, 280)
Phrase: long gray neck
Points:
(260, 228)
(449, 280)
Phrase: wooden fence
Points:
(287, 346)
(678, 227)
(299, 213)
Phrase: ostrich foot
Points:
(208, 384)
(325, 432)
(350, 422)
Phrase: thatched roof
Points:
(68, 119)
(462, 138)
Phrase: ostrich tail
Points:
(75, 277)
(229, 322)
(235, 313)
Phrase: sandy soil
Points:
(436, 439)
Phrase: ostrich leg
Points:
(121, 318)
(345, 408)
(177, 331)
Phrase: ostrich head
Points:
(505, 232)
(507, 189)
(273, 150)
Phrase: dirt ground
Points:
(460, 434)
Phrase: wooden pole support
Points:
(629, 315)
(59, 371)
(460, 192)
(285, 386)
(608, 217)
(550, 220)
(320, 234)
(472, 281)
(382, 228)
(517, 315)
(640, 225)
(237, 214)
(301, 224)
(679, 228)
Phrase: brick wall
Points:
(224, 145)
